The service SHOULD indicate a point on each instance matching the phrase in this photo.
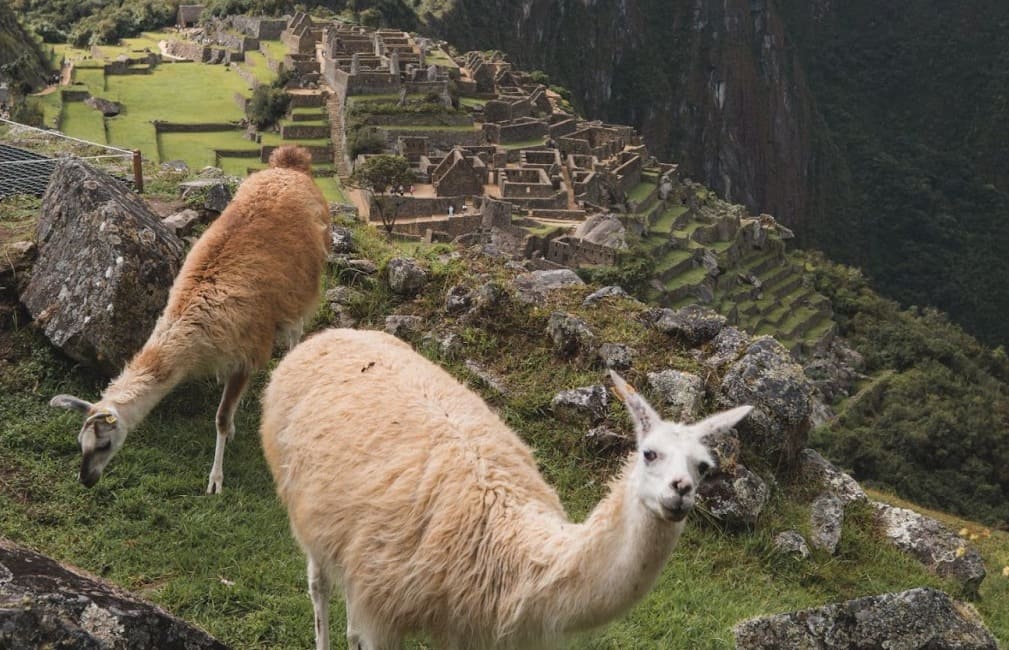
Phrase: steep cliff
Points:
(876, 129)
(22, 62)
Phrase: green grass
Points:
(664, 223)
(93, 78)
(82, 121)
(275, 139)
(472, 102)
(228, 563)
(332, 189)
(197, 149)
(134, 47)
(437, 56)
(255, 62)
(640, 192)
(275, 50)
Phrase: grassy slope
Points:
(228, 563)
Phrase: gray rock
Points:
(682, 392)
(486, 377)
(603, 438)
(341, 295)
(580, 404)
(533, 287)
(364, 266)
(105, 264)
(791, 542)
(571, 335)
(814, 469)
(342, 316)
(106, 107)
(734, 495)
(403, 326)
(826, 519)
(49, 605)
(603, 229)
(909, 620)
(342, 240)
(601, 294)
(182, 223)
(178, 166)
(490, 296)
(934, 545)
(767, 378)
(615, 355)
(406, 276)
(212, 194)
(728, 344)
(692, 324)
(211, 172)
(16, 260)
(458, 299)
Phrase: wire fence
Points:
(28, 156)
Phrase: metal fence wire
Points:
(28, 156)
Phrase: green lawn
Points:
(640, 192)
(275, 139)
(332, 189)
(255, 62)
(84, 122)
(275, 50)
(472, 102)
(134, 47)
(92, 77)
(197, 149)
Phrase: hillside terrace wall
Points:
(320, 153)
(507, 133)
(444, 140)
(415, 119)
(423, 206)
(304, 131)
(260, 27)
(570, 251)
(307, 100)
(206, 127)
(450, 227)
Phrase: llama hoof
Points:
(215, 487)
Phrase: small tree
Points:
(379, 174)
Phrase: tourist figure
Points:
(451, 210)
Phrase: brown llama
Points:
(253, 276)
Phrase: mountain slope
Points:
(22, 62)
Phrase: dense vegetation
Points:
(22, 61)
(914, 173)
(933, 422)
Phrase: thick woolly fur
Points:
(405, 488)
(253, 275)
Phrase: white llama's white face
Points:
(100, 437)
(672, 458)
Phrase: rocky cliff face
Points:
(21, 60)
(712, 85)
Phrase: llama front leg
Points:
(319, 588)
(225, 421)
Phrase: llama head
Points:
(101, 436)
(672, 458)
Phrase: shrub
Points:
(365, 141)
(267, 105)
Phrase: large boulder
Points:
(587, 403)
(816, 470)
(917, 618)
(934, 545)
(692, 324)
(734, 496)
(406, 276)
(534, 286)
(571, 336)
(682, 392)
(767, 378)
(44, 604)
(105, 265)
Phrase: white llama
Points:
(405, 488)
(253, 276)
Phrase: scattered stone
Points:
(580, 404)
(682, 392)
(934, 545)
(458, 299)
(106, 107)
(826, 519)
(571, 335)
(50, 605)
(726, 347)
(767, 378)
(814, 469)
(342, 316)
(182, 223)
(908, 620)
(342, 240)
(486, 377)
(451, 346)
(105, 264)
(365, 266)
(533, 287)
(211, 172)
(402, 326)
(490, 296)
(342, 295)
(791, 542)
(178, 166)
(603, 438)
(735, 496)
(406, 276)
(602, 294)
(616, 356)
(212, 194)
(692, 324)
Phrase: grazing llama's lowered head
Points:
(102, 435)
(672, 459)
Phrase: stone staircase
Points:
(335, 108)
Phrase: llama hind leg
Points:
(225, 421)
(363, 634)
(320, 587)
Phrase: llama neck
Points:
(141, 385)
(611, 560)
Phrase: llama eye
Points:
(703, 468)
(649, 455)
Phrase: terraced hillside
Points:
(711, 252)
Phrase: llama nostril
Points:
(682, 487)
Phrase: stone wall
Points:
(440, 139)
(311, 100)
(260, 27)
(322, 154)
(207, 127)
(570, 251)
(451, 228)
(508, 133)
(424, 206)
(304, 131)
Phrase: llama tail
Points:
(292, 156)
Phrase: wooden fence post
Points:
(138, 171)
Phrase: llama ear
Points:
(720, 421)
(643, 415)
(71, 403)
